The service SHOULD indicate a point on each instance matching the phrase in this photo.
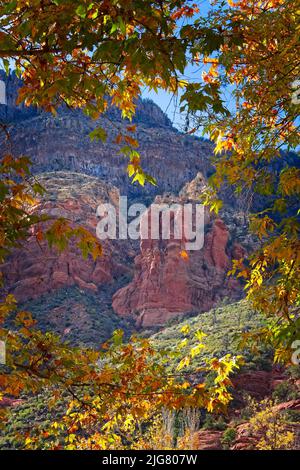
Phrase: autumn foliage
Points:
(96, 54)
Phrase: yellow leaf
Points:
(185, 329)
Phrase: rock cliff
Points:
(62, 143)
(169, 281)
(34, 269)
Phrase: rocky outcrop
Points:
(169, 281)
(34, 269)
(245, 438)
(208, 440)
(259, 384)
(166, 283)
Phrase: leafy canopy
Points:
(92, 54)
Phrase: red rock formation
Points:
(167, 284)
(34, 269)
(215, 246)
(245, 439)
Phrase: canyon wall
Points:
(170, 281)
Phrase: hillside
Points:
(223, 327)
(149, 228)
(80, 317)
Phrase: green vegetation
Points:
(23, 418)
(228, 437)
(285, 391)
(81, 318)
(217, 423)
(224, 327)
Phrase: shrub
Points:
(292, 416)
(294, 372)
(228, 437)
(284, 392)
(211, 422)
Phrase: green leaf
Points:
(117, 337)
(185, 362)
(6, 65)
(114, 28)
(150, 179)
(95, 14)
(122, 25)
(10, 7)
(98, 133)
(80, 11)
